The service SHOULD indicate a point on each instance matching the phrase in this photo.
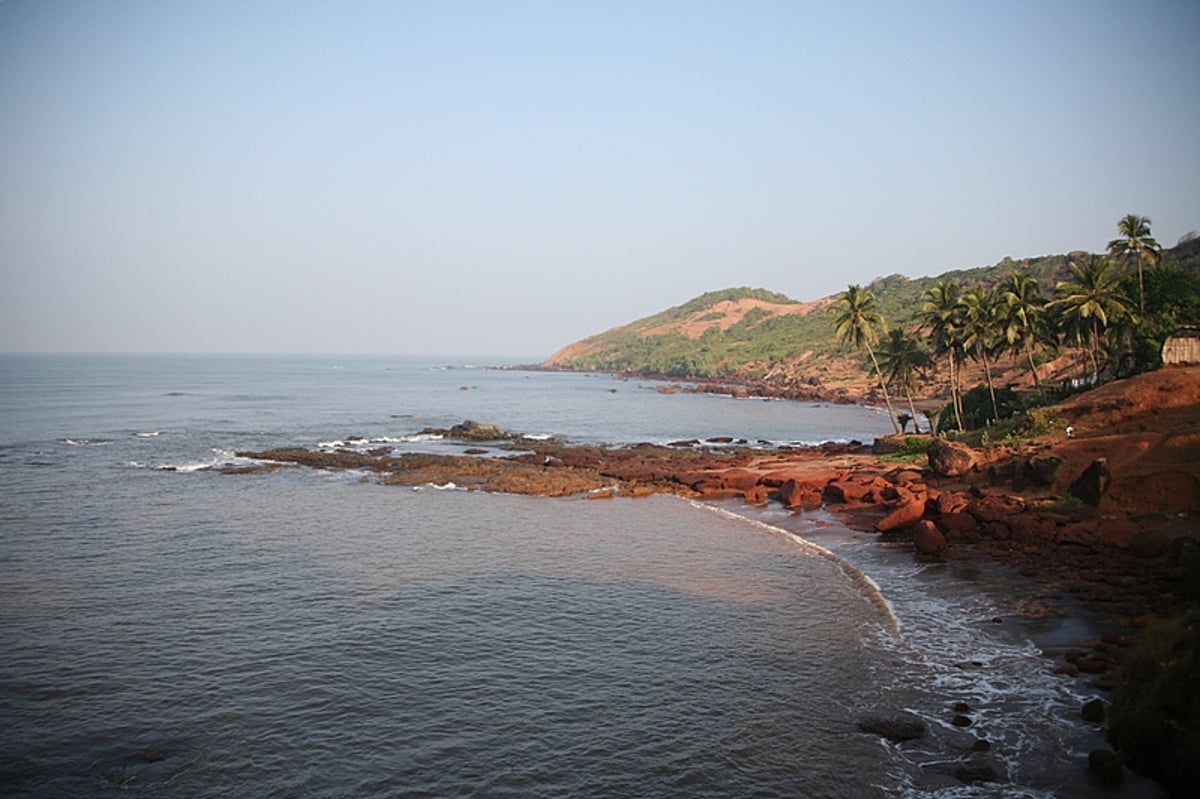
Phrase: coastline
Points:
(1105, 554)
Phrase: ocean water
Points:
(169, 630)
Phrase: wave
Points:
(856, 575)
(87, 442)
(151, 434)
(222, 458)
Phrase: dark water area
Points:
(167, 630)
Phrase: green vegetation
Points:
(912, 449)
(858, 323)
(1155, 718)
(1108, 314)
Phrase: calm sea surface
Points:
(167, 630)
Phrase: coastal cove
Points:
(216, 563)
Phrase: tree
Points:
(857, 324)
(981, 333)
(1088, 303)
(904, 360)
(940, 315)
(1021, 320)
(1136, 241)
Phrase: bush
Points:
(1155, 718)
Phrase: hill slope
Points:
(745, 333)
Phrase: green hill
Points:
(752, 332)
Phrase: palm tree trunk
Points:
(913, 408)
(1095, 353)
(1037, 384)
(958, 406)
(987, 371)
(883, 385)
(1141, 285)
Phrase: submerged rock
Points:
(897, 725)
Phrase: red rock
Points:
(795, 493)
(756, 495)
(927, 539)
(996, 508)
(957, 522)
(905, 513)
(950, 458)
(952, 502)
(1029, 528)
(739, 479)
(1117, 533)
(845, 491)
(1077, 533)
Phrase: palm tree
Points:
(940, 315)
(905, 360)
(857, 324)
(1021, 316)
(1090, 302)
(981, 333)
(1136, 240)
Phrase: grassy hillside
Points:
(751, 332)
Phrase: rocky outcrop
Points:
(1091, 486)
(950, 458)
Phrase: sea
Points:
(171, 630)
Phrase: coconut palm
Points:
(857, 324)
(1136, 241)
(904, 361)
(1090, 303)
(1020, 308)
(939, 314)
(981, 333)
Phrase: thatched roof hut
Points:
(1183, 347)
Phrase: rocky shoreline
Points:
(1105, 518)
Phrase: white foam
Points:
(154, 434)
(86, 442)
(855, 574)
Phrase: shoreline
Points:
(1102, 522)
(1073, 551)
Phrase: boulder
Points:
(893, 725)
(948, 502)
(907, 511)
(957, 522)
(1106, 765)
(950, 458)
(739, 479)
(796, 493)
(927, 538)
(1094, 711)
(1040, 470)
(756, 495)
(1090, 486)
(851, 492)
(996, 508)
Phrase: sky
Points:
(504, 178)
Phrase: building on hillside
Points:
(1183, 347)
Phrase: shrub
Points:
(1155, 718)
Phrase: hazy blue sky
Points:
(508, 177)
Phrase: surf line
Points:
(856, 575)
